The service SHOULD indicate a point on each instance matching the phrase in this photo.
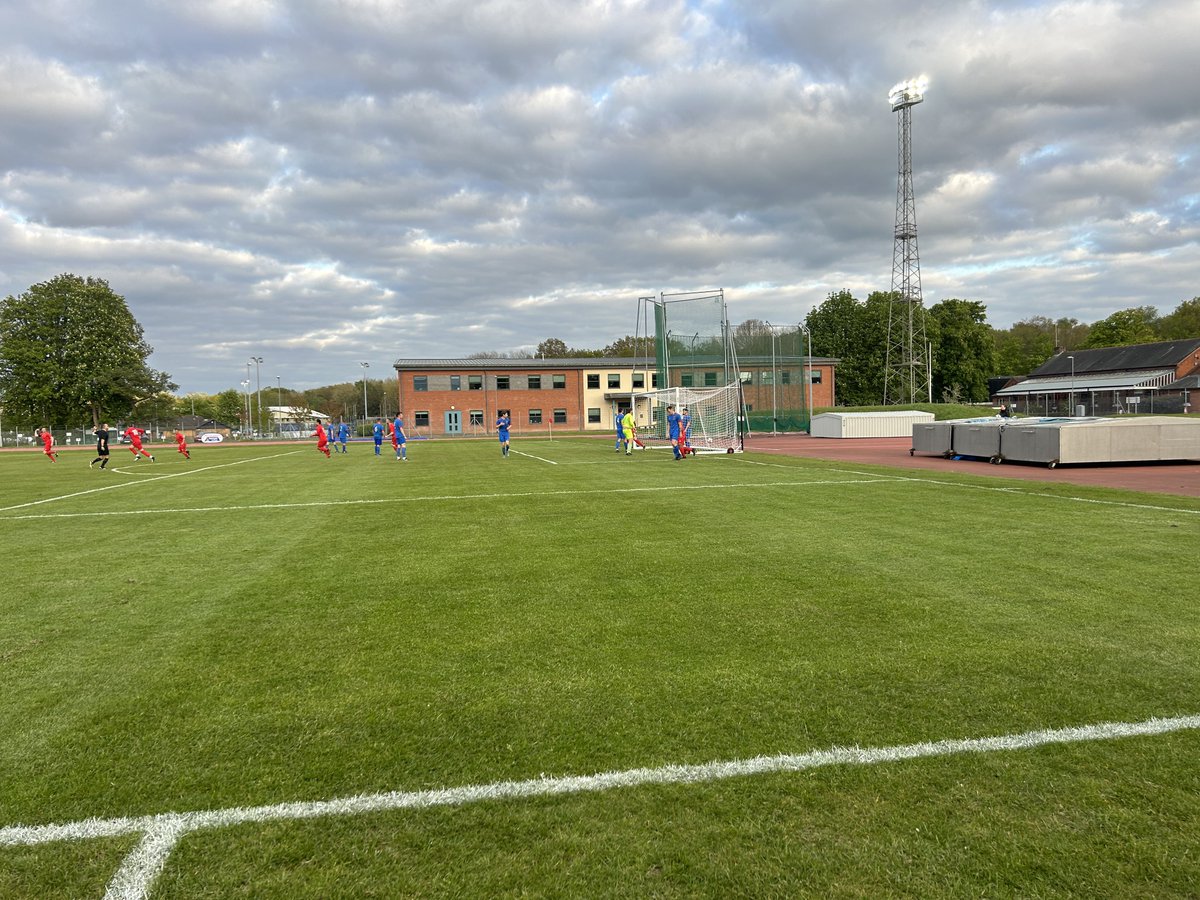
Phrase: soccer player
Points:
(181, 444)
(628, 433)
(322, 437)
(685, 433)
(377, 432)
(673, 430)
(47, 443)
(343, 435)
(398, 439)
(329, 438)
(135, 443)
(502, 422)
(617, 419)
(101, 434)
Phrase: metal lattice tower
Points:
(906, 377)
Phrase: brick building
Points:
(450, 397)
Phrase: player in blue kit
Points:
(502, 424)
(377, 433)
(398, 437)
(673, 424)
(618, 418)
(343, 435)
(685, 433)
(330, 437)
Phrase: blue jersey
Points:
(398, 426)
(673, 426)
(329, 432)
(343, 432)
(502, 424)
(378, 432)
(685, 424)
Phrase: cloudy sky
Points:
(326, 182)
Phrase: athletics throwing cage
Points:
(695, 366)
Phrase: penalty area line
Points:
(443, 498)
(162, 833)
(531, 456)
(125, 484)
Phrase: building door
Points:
(454, 421)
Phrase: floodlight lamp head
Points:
(908, 93)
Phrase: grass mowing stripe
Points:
(123, 484)
(161, 833)
(1033, 493)
(880, 479)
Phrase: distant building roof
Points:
(1158, 355)
(587, 362)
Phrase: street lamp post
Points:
(365, 366)
(279, 404)
(257, 360)
(246, 390)
(1071, 404)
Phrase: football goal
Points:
(713, 413)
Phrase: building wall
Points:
(477, 392)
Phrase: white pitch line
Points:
(438, 499)
(1030, 493)
(531, 456)
(986, 487)
(125, 484)
(162, 832)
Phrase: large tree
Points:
(964, 350)
(1182, 323)
(69, 349)
(1124, 327)
(855, 333)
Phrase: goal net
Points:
(713, 412)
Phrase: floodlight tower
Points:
(906, 376)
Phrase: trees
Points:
(1182, 323)
(856, 333)
(71, 345)
(552, 348)
(1124, 327)
(964, 350)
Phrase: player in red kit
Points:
(181, 444)
(135, 441)
(392, 435)
(322, 440)
(47, 443)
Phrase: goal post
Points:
(714, 415)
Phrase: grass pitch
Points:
(262, 626)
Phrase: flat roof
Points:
(1110, 381)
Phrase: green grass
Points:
(273, 626)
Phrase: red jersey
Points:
(319, 434)
(134, 435)
(47, 440)
(179, 438)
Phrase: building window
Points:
(614, 382)
(785, 376)
(593, 381)
(814, 376)
(766, 377)
(535, 417)
(710, 379)
(420, 382)
(476, 417)
(502, 382)
(421, 418)
(639, 380)
(474, 382)
(653, 380)
(535, 382)
(593, 415)
(560, 417)
(560, 382)
(685, 379)
(456, 382)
